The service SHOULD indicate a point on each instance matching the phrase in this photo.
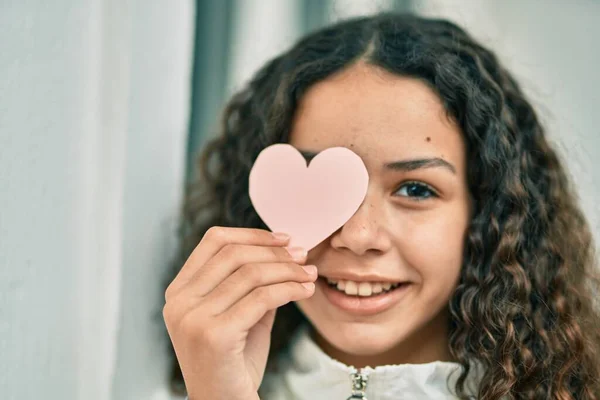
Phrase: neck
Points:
(424, 346)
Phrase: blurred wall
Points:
(94, 101)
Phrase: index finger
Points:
(217, 237)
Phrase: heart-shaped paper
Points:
(308, 203)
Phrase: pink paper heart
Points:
(309, 203)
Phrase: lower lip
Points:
(363, 305)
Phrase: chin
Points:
(359, 338)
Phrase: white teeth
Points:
(377, 287)
(365, 289)
(352, 288)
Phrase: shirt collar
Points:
(309, 373)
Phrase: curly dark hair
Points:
(524, 306)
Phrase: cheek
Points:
(434, 248)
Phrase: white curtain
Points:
(94, 108)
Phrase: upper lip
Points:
(346, 276)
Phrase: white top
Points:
(308, 373)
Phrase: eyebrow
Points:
(403, 165)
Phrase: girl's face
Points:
(411, 225)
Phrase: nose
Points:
(365, 232)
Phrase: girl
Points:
(467, 272)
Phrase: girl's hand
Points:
(220, 309)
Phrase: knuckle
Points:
(253, 273)
(297, 271)
(229, 250)
(291, 270)
(279, 253)
(187, 328)
(169, 313)
(264, 235)
(215, 233)
(191, 326)
(262, 295)
(169, 293)
(213, 337)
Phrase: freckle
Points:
(428, 139)
(351, 144)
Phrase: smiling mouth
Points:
(364, 304)
(362, 289)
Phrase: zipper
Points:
(359, 381)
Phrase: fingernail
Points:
(297, 253)
(281, 236)
(310, 269)
(309, 286)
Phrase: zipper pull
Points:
(359, 385)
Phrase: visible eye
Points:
(417, 191)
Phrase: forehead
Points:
(380, 116)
